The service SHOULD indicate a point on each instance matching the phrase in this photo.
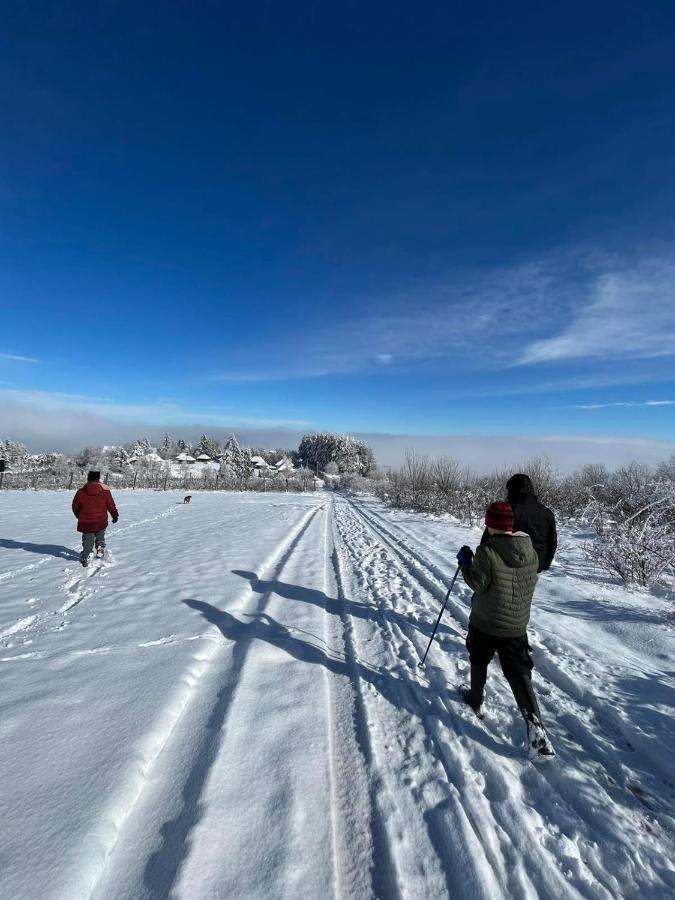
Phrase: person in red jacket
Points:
(91, 505)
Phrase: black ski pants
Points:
(514, 652)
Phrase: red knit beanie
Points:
(499, 516)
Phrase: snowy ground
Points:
(231, 707)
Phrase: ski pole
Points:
(433, 633)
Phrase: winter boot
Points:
(100, 552)
(473, 696)
(84, 559)
(538, 744)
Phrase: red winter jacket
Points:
(91, 505)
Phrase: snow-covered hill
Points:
(231, 707)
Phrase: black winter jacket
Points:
(538, 521)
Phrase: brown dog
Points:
(187, 498)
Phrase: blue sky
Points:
(432, 218)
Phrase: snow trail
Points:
(181, 750)
(230, 706)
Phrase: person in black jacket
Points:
(532, 517)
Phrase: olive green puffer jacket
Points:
(503, 575)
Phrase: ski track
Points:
(597, 727)
(200, 707)
(578, 807)
(421, 799)
(440, 765)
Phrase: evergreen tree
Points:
(208, 446)
(167, 449)
(119, 460)
(236, 460)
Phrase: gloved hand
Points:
(115, 518)
(465, 556)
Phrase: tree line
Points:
(318, 452)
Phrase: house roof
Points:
(284, 465)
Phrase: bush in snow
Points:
(637, 544)
(665, 471)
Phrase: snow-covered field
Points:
(231, 707)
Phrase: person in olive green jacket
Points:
(503, 575)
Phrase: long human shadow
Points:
(42, 549)
(337, 606)
(402, 692)
(263, 627)
(162, 867)
(399, 690)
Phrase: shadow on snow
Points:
(43, 549)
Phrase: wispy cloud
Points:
(15, 358)
(567, 307)
(262, 376)
(441, 320)
(628, 403)
(630, 313)
(157, 412)
(439, 323)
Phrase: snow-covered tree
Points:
(235, 462)
(168, 448)
(351, 455)
(665, 471)
(208, 446)
(119, 459)
(142, 447)
(13, 452)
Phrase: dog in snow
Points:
(187, 498)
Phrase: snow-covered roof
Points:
(258, 461)
(284, 465)
(153, 457)
(204, 457)
(189, 458)
(181, 457)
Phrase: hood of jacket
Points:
(519, 488)
(515, 550)
(93, 488)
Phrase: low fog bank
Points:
(68, 431)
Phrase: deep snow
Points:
(231, 706)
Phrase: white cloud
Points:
(596, 309)
(56, 403)
(15, 358)
(629, 314)
(442, 320)
(630, 403)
